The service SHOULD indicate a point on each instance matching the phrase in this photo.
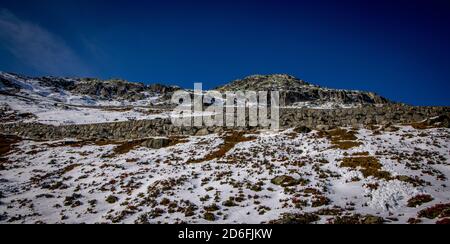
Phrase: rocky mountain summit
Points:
(296, 92)
(266, 83)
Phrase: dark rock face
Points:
(6, 83)
(119, 89)
(293, 90)
(114, 89)
(58, 83)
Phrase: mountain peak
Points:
(296, 92)
(265, 83)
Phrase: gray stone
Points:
(202, 132)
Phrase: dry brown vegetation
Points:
(122, 147)
(301, 219)
(442, 121)
(127, 146)
(357, 219)
(6, 146)
(420, 126)
(437, 211)
(341, 138)
(419, 200)
(369, 166)
(230, 141)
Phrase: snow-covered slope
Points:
(52, 102)
(66, 91)
(377, 174)
(283, 177)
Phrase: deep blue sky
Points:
(399, 49)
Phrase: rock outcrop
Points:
(319, 119)
(295, 91)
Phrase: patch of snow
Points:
(326, 105)
(392, 195)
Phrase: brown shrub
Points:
(341, 138)
(437, 211)
(443, 222)
(127, 146)
(230, 141)
(369, 166)
(6, 144)
(419, 200)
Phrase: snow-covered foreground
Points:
(342, 176)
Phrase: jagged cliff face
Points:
(294, 91)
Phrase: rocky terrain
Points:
(107, 90)
(299, 93)
(92, 151)
(62, 101)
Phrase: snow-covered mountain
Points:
(371, 174)
(58, 100)
(53, 100)
(83, 91)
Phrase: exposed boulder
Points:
(156, 143)
(202, 132)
